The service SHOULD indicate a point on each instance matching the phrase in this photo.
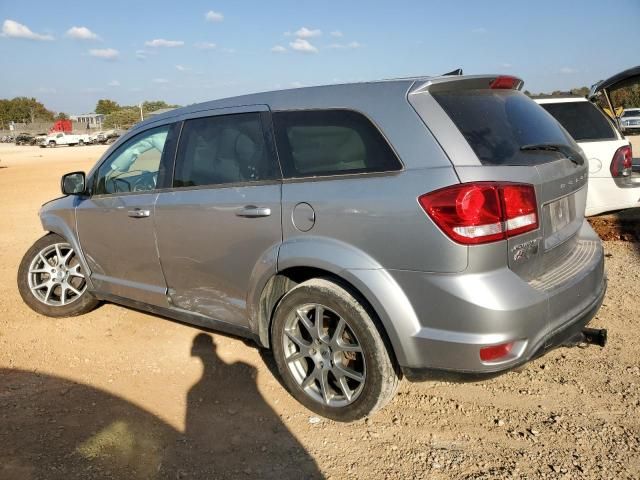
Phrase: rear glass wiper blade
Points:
(566, 150)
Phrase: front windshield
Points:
(631, 113)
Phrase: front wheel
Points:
(330, 354)
(51, 280)
(52, 143)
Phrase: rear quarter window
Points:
(330, 142)
(582, 120)
(496, 123)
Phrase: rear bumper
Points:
(459, 314)
(563, 336)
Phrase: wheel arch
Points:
(55, 224)
(373, 286)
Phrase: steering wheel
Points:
(145, 182)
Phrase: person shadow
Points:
(229, 423)
(54, 428)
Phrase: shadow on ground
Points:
(52, 428)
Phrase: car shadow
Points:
(54, 428)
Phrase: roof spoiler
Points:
(450, 82)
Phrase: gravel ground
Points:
(122, 394)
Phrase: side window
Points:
(330, 142)
(134, 166)
(223, 149)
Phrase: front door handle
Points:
(252, 211)
(138, 213)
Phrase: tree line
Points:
(124, 116)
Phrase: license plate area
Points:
(559, 220)
(559, 212)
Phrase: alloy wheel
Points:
(324, 355)
(55, 275)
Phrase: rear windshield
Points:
(582, 120)
(496, 123)
(631, 113)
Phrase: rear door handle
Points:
(251, 211)
(138, 213)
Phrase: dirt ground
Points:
(122, 394)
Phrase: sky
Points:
(70, 54)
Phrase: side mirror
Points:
(73, 183)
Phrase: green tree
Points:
(106, 106)
(23, 109)
(123, 118)
(62, 116)
(582, 91)
(627, 97)
(151, 106)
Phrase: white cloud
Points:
(479, 30)
(114, 83)
(302, 45)
(351, 45)
(182, 68)
(141, 54)
(228, 50)
(104, 53)
(506, 65)
(278, 49)
(160, 80)
(81, 33)
(13, 29)
(47, 90)
(161, 42)
(336, 33)
(205, 45)
(212, 16)
(305, 32)
(297, 84)
(568, 70)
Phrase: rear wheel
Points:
(329, 352)
(51, 280)
(81, 142)
(52, 143)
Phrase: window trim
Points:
(335, 175)
(163, 158)
(266, 126)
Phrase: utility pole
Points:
(141, 114)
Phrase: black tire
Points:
(381, 380)
(81, 143)
(52, 143)
(82, 304)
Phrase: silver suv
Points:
(362, 232)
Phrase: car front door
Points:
(115, 224)
(219, 227)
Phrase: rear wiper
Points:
(566, 150)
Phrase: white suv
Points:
(612, 184)
(630, 121)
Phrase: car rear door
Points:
(219, 227)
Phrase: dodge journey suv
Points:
(363, 232)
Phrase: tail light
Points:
(622, 162)
(482, 212)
